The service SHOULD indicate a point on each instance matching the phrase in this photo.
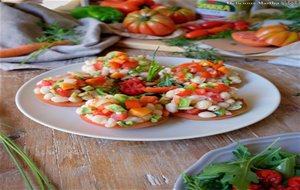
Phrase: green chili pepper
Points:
(104, 14)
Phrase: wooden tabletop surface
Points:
(76, 162)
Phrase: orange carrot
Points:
(140, 112)
(116, 75)
(68, 86)
(29, 48)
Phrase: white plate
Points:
(261, 96)
(286, 141)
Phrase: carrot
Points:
(116, 75)
(148, 99)
(140, 112)
(223, 70)
(67, 86)
(132, 104)
(29, 48)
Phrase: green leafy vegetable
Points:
(167, 81)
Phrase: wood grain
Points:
(75, 162)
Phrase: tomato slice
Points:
(158, 89)
(248, 38)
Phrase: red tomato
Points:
(294, 181)
(130, 65)
(177, 14)
(133, 86)
(280, 187)
(98, 65)
(64, 93)
(46, 83)
(192, 111)
(196, 68)
(80, 82)
(248, 38)
(148, 21)
(119, 117)
(115, 65)
(106, 112)
(186, 92)
(205, 75)
(215, 97)
(241, 22)
(222, 87)
(158, 90)
(201, 91)
(269, 177)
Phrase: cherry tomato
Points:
(46, 83)
(197, 34)
(294, 181)
(133, 86)
(119, 117)
(269, 177)
(186, 92)
(64, 93)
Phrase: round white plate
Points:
(260, 94)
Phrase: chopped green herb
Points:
(220, 112)
(167, 81)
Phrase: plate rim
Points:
(18, 104)
(229, 147)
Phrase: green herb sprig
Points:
(13, 149)
(154, 67)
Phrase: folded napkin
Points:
(21, 28)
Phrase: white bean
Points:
(214, 108)
(90, 62)
(134, 119)
(105, 71)
(75, 99)
(70, 81)
(78, 110)
(110, 122)
(225, 95)
(235, 79)
(59, 99)
(206, 114)
(172, 93)
(124, 71)
(37, 91)
(203, 104)
(150, 106)
(48, 96)
(87, 97)
(44, 89)
(172, 107)
(99, 119)
(198, 80)
(147, 117)
(230, 101)
(228, 113)
(157, 112)
(223, 104)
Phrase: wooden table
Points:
(76, 162)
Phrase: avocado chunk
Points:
(115, 108)
(121, 97)
(184, 103)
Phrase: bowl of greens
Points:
(264, 163)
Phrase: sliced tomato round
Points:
(248, 38)
(62, 104)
